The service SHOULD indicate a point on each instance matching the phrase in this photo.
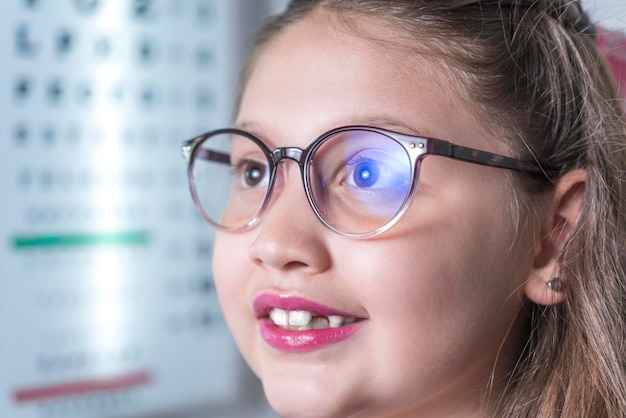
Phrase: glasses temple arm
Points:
(204, 154)
(471, 155)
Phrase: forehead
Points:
(362, 45)
(323, 72)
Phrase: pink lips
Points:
(299, 341)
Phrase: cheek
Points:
(225, 276)
(230, 273)
(443, 298)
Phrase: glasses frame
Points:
(417, 148)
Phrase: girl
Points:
(458, 247)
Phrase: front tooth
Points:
(319, 323)
(279, 317)
(299, 318)
(335, 321)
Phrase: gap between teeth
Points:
(305, 320)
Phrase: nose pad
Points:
(280, 181)
(278, 185)
(284, 180)
(288, 196)
(289, 234)
(317, 188)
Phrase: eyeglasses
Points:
(359, 180)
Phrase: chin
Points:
(315, 398)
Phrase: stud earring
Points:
(555, 284)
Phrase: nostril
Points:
(294, 265)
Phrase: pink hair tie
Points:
(612, 45)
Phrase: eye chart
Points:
(107, 303)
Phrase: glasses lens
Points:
(231, 176)
(359, 180)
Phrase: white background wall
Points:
(609, 13)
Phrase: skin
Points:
(440, 292)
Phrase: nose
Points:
(289, 235)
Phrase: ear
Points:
(564, 212)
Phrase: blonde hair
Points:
(533, 74)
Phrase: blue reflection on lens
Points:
(366, 174)
(375, 169)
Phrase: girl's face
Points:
(423, 310)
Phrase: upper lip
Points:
(265, 302)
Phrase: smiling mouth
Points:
(302, 320)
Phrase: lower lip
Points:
(301, 341)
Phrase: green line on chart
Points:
(82, 239)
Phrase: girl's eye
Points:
(252, 173)
(365, 173)
(376, 170)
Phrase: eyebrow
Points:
(244, 125)
(385, 122)
(257, 130)
(394, 124)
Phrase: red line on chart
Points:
(82, 387)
